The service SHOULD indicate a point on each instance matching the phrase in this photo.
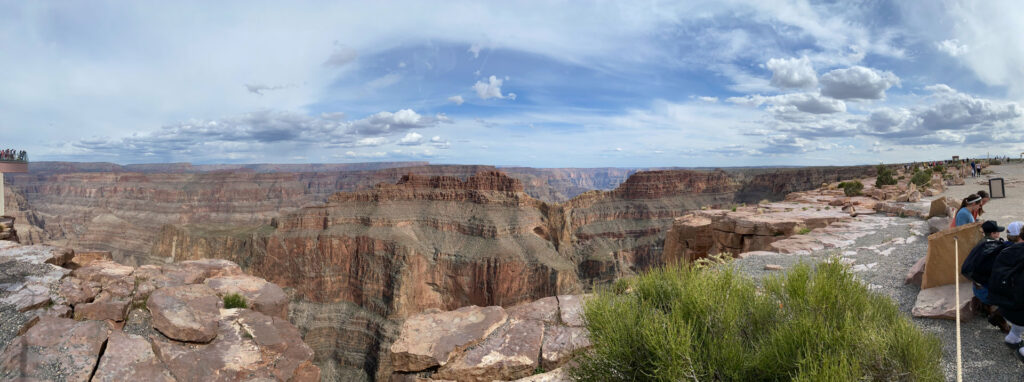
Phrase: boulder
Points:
(55, 349)
(185, 313)
(428, 340)
(942, 207)
(76, 291)
(560, 344)
(106, 306)
(571, 309)
(937, 224)
(509, 353)
(211, 268)
(248, 346)
(545, 310)
(81, 259)
(113, 278)
(916, 272)
(940, 302)
(130, 357)
(37, 254)
(262, 296)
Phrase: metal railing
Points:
(18, 156)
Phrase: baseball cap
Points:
(1014, 228)
(991, 226)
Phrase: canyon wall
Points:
(363, 261)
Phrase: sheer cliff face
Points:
(363, 261)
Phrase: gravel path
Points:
(893, 248)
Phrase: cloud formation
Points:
(492, 89)
(857, 83)
(457, 99)
(792, 72)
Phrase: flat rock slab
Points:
(545, 309)
(76, 291)
(509, 353)
(249, 346)
(211, 268)
(185, 313)
(940, 302)
(37, 254)
(428, 340)
(113, 278)
(81, 259)
(262, 296)
(561, 343)
(130, 358)
(571, 309)
(55, 349)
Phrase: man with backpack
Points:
(1006, 287)
(978, 267)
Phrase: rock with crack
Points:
(130, 357)
(544, 310)
(429, 340)
(55, 349)
(510, 353)
(185, 313)
(571, 309)
(561, 343)
(249, 345)
(940, 302)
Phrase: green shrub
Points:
(939, 168)
(685, 323)
(234, 300)
(884, 177)
(852, 188)
(803, 231)
(921, 178)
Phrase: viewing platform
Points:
(13, 165)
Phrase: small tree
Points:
(885, 176)
(853, 188)
(921, 178)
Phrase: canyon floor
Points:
(890, 246)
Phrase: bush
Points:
(715, 324)
(852, 188)
(884, 177)
(803, 231)
(939, 169)
(995, 162)
(921, 178)
(234, 300)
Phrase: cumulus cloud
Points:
(385, 122)
(437, 142)
(492, 89)
(952, 115)
(456, 100)
(857, 82)
(372, 141)
(708, 99)
(411, 139)
(792, 72)
(951, 47)
(804, 102)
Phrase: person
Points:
(965, 215)
(974, 169)
(977, 267)
(1005, 285)
(981, 206)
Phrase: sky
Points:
(513, 83)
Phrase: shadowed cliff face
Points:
(363, 261)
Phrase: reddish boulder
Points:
(106, 306)
(428, 340)
(545, 310)
(509, 353)
(55, 349)
(130, 357)
(185, 313)
(262, 296)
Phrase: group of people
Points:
(10, 154)
(996, 268)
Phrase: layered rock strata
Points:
(153, 323)
(362, 262)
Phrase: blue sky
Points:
(531, 83)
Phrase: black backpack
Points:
(978, 264)
(1006, 283)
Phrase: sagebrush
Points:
(688, 323)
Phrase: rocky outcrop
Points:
(173, 330)
(492, 344)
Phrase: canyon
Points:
(359, 250)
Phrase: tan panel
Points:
(940, 265)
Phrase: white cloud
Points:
(491, 89)
(372, 141)
(411, 139)
(857, 82)
(792, 73)
(804, 102)
(708, 99)
(457, 99)
(952, 47)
